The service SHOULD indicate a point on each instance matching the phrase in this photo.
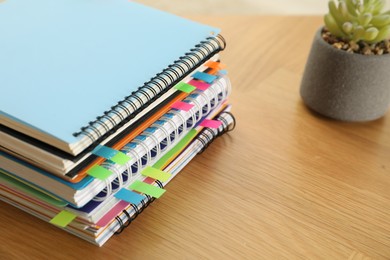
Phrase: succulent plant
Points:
(358, 20)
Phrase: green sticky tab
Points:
(187, 88)
(63, 218)
(156, 174)
(99, 172)
(148, 189)
(120, 158)
(171, 154)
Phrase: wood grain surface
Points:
(286, 184)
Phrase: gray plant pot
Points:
(345, 86)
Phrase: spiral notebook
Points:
(81, 67)
(119, 215)
(65, 165)
(147, 148)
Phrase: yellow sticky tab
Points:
(156, 174)
(63, 218)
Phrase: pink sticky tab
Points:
(199, 84)
(182, 106)
(110, 215)
(211, 123)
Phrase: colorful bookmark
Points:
(213, 71)
(63, 218)
(120, 158)
(104, 151)
(199, 84)
(204, 76)
(211, 123)
(184, 87)
(148, 189)
(180, 105)
(215, 65)
(171, 154)
(99, 172)
(111, 154)
(129, 196)
(156, 174)
(111, 214)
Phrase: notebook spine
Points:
(128, 108)
(146, 147)
(206, 137)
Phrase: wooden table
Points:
(286, 183)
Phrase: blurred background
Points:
(286, 7)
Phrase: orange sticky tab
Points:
(215, 65)
(213, 71)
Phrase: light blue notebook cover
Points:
(65, 62)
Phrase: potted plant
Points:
(347, 75)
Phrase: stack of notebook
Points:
(102, 104)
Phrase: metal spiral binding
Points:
(208, 135)
(155, 141)
(109, 186)
(183, 121)
(230, 127)
(136, 211)
(131, 105)
(176, 120)
(147, 150)
(123, 225)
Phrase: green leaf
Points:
(351, 7)
(365, 19)
(381, 20)
(338, 18)
(343, 9)
(360, 8)
(383, 34)
(347, 27)
(371, 34)
(378, 6)
(358, 34)
(332, 25)
(368, 6)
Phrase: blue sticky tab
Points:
(151, 129)
(204, 76)
(132, 145)
(222, 72)
(129, 196)
(159, 122)
(193, 95)
(141, 138)
(104, 151)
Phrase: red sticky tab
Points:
(211, 123)
(199, 84)
(182, 106)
